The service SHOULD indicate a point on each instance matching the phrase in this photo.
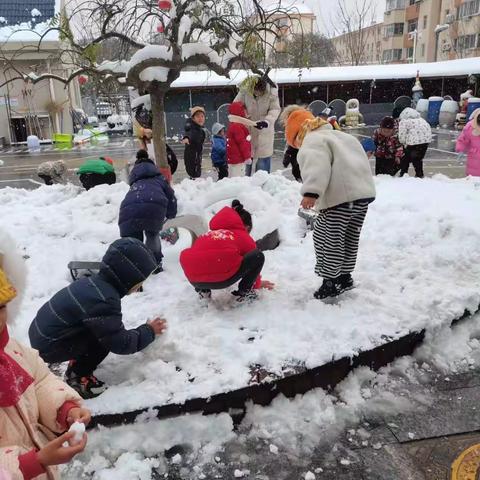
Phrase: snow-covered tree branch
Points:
(157, 40)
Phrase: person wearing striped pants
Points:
(338, 183)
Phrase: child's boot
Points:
(329, 289)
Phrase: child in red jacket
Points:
(239, 148)
(225, 255)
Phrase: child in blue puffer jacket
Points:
(147, 204)
(219, 150)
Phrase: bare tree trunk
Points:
(157, 96)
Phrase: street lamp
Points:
(438, 30)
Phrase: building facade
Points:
(43, 108)
(288, 18)
(361, 47)
(417, 31)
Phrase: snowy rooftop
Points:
(287, 76)
(15, 12)
(26, 20)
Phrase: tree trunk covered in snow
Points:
(157, 97)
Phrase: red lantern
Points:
(164, 4)
(160, 28)
(82, 80)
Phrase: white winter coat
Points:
(413, 129)
(335, 167)
(266, 107)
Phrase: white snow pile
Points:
(418, 267)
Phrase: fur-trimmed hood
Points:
(13, 264)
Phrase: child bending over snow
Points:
(338, 182)
(35, 407)
(82, 323)
(225, 255)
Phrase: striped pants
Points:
(336, 236)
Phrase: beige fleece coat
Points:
(266, 107)
(335, 167)
(33, 421)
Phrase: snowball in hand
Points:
(79, 429)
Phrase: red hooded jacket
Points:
(217, 255)
(239, 148)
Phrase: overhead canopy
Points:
(289, 76)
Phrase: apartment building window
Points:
(413, 25)
(468, 9)
(412, 2)
(409, 53)
(423, 50)
(395, 5)
(467, 41)
(392, 55)
(393, 30)
(425, 19)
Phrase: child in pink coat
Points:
(469, 142)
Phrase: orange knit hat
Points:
(294, 124)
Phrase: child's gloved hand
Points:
(261, 125)
(249, 161)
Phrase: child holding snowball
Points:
(35, 407)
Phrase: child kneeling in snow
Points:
(239, 147)
(35, 407)
(146, 205)
(469, 142)
(82, 323)
(225, 255)
(338, 182)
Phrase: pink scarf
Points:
(14, 380)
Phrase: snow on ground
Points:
(289, 427)
(418, 267)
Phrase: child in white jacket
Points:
(338, 182)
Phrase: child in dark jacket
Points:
(388, 149)
(147, 204)
(225, 255)
(239, 147)
(82, 323)
(219, 150)
(193, 138)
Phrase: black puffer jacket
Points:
(194, 149)
(93, 304)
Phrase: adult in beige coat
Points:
(35, 405)
(338, 183)
(263, 107)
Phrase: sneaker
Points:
(345, 282)
(87, 387)
(245, 296)
(204, 294)
(328, 289)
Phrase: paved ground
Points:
(420, 444)
(19, 168)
